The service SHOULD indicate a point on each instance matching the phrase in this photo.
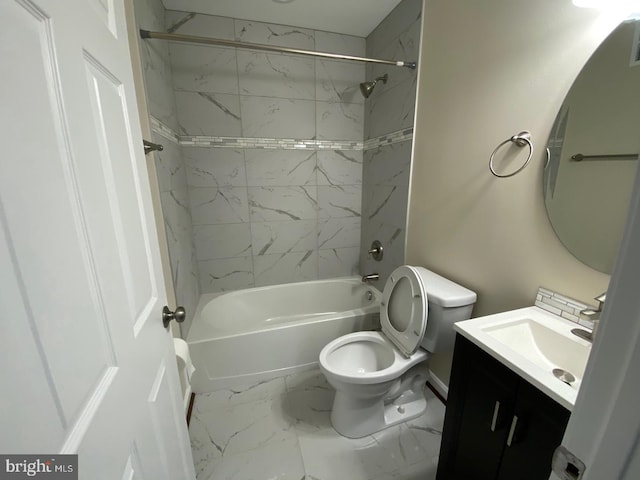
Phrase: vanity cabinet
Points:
(497, 426)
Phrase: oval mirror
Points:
(593, 151)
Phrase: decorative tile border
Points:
(388, 139)
(163, 130)
(269, 143)
(563, 306)
(278, 143)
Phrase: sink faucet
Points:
(593, 314)
(372, 277)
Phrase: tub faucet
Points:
(593, 314)
(372, 277)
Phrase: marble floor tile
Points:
(242, 393)
(327, 455)
(425, 470)
(309, 379)
(276, 461)
(239, 428)
(281, 430)
(309, 409)
(402, 445)
(428, 428)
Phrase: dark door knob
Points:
(167, 315)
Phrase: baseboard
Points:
(439, 386)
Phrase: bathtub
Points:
(261, 333)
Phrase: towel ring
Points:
(521, 139)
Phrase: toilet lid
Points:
(403, 310)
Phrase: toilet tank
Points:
(448, 303)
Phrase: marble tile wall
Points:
(263, 217)
(391, 106)
(384, 199)
(386, 168)
(269, 215)
(150, 14)
(259, 216)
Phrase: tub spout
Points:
(372, 277)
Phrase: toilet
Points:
(379, 376)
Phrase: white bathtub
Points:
(261, 333)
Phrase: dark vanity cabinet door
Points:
(481, 398)
(481, 440)
(537, 432)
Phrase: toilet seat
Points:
(375, 357)
(404, 309)
(388, 364)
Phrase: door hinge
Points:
(566, 465)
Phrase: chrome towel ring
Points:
(521, 139)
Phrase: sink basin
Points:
(533, 343)
(543, 346)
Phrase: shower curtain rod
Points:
(258, 46)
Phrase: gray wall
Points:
(390, 108)
(476, 89)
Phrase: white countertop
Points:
(537, 372)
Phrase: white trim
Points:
(439, 385)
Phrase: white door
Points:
(604, 428)
(87, 366)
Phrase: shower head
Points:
(367, 87)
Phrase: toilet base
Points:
(358, 417)
(394, 414)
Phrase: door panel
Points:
(132, 469)
(106, 13)
(87, 365)
(109, 114)
(27, 356)
(50, 256)
(160, 400)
